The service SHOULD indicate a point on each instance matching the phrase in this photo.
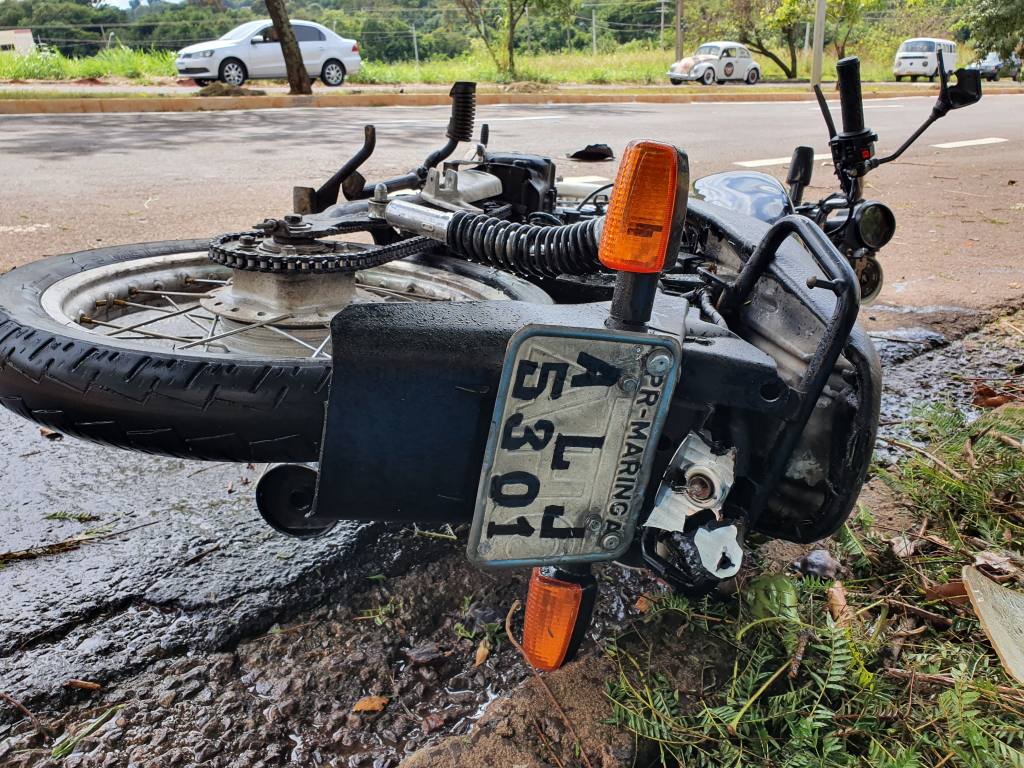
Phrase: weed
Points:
(78, 517)
(383, 613)
(869, 688)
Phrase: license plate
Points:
(577, 418)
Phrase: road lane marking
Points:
(774, 161)
(969, 143)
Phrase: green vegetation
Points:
(550, 40)
(885, 670)
(110, 62)
(630, 65)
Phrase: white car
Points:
(251, 51)
(716, 62)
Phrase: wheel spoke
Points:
(166, 314)
(323, 344)
(293, 338)
(188, 316)
(235, 331)
(147, 334)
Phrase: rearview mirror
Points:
(256, 41)
(967, 90)
(801, 168)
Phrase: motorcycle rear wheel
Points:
(113, 346)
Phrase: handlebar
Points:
(848, 71)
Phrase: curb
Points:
(73, 105)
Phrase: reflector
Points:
(639, 220)
(552, 606)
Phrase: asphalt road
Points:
(204, 571)
(80, 181)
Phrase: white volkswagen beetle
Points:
(716, 62)
(252, 51)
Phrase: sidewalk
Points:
(19, 98)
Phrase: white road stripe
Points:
(969, 143)
(774, 161)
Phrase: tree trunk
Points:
(298, 79)
(789, 71)
(791, 42)
(510, 39)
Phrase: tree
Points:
(846, 16)
(759, 23)
(996, 25)
(298, 79)
(495, 23)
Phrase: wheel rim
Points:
(333, 74)
(709, 77)
(180, 303)
(233, 74)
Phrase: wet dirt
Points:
(407, 633)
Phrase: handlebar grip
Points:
(850, 100)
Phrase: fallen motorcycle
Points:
(645, 378)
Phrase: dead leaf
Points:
(837, 605)
(953, 592)
(902, 546)
(482, 652)
(643, 604)
(986, 397)
(50, 434)
(995, 563)
(85, 685)
(371, 704)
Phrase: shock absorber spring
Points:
(569, 249)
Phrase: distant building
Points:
(17, 40)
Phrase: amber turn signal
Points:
(638, 225)
(552, 606)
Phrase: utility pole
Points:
(415, 47)
(661, 27)
(593, 29)
(529, 32)
(819, 42)
(679, 29)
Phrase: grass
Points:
(875, 683)
(644, 67)
(625, 67)
(129, 63)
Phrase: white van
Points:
(918, 57)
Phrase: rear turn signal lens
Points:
(552, 606)
(639, 220)
(355, 47)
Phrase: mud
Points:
(407, 633)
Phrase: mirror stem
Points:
(877, 161)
